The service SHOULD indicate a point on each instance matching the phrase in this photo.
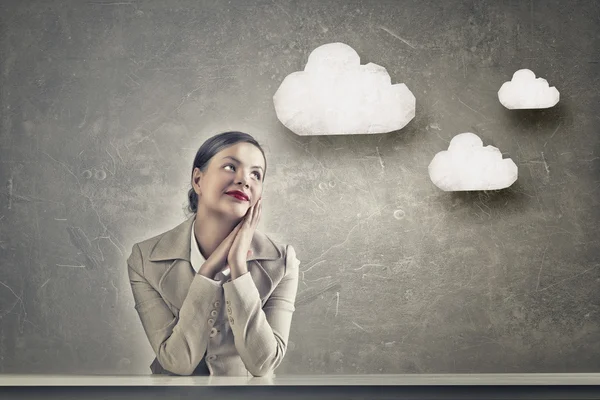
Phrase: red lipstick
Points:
(238, 195)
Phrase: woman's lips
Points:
(237, 196)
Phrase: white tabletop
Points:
(304, 380)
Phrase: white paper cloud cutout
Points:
(467, 165)
(335, 95)
(525, 91)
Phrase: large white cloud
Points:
(525, 91)
(467, 165)
(335, 95)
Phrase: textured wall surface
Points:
(103, 105)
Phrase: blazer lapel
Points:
(173, 247)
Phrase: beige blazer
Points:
(242, 325)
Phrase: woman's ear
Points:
(196, 177)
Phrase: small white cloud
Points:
(525, 91)
(467, 165)
(335, 95)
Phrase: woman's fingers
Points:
(221, 252)
(232, 233)
(235, 230)
(250, 214)
(259, 212)
(229, 239)
(256, 215)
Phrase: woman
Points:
(214, 295)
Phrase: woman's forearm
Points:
(261, 332)
(178, 342)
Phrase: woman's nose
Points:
(243, 180)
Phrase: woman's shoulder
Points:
(267, 245)
(146, 245)
(283, 249)
(172, 235)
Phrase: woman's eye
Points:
(232, 168)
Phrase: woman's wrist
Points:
(238, 270)
(209, 275)
(207, 270)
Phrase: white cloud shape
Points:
(467, 165)
(335, 95)
(525, 91)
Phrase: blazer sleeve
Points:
(261, 334)
(179, 342)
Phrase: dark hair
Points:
(211, 147)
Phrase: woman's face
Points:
(232, 180)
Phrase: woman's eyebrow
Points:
(239, 162)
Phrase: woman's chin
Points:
(237, 211)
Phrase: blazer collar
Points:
(175, 244)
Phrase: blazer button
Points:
(213, 332)
(211, 321)
(212, 357)
(214, 313)
(217, 304)
(229, 310)
(228, 303)
(231, 320)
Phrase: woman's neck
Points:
(210, 230)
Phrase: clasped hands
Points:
(234, 250)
